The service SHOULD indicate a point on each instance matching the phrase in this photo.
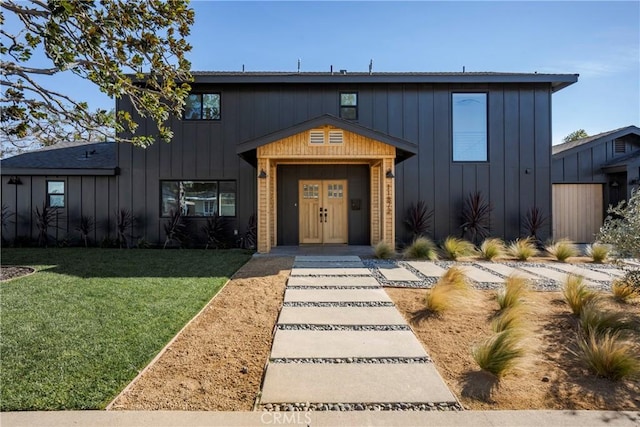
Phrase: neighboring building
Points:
(591, 174)
(338, 158)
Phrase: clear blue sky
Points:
(598, 40)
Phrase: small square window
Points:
(202, 106)
(349, 105)
(55, 194)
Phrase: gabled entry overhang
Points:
(404, 149)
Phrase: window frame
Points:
(201, 119)
(218, 198)
(486, 131)
(63, 194)
(354, 107)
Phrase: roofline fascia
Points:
(60, 171)
(614, 135)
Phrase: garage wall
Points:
(577, 211)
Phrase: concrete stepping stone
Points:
(340, 316)
(338, 344)
(332, 295)
(552, 274)
(330, 271)
(427, 268)
(482, 276)
(327, 258)
(505, 270)
(396, 273)
(354, 383)
(333, 281)
(584, 272)
(328, 264)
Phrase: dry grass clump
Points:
(384, 250)
(515, 288)
(627, 288)
(594, 319)
(523, 249)
(576, 294)
(421, 248)
(563, 249)
(598, 252)
(609, 355)
(499, 353)
(447, 291)
(508, 319)
(492, 249)
(454, 248)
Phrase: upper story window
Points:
(55, 194)
(202, 106)
(198, 198)
(469, 118)
(349, 105)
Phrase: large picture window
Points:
(55, 194)
(199, 198)
(202, 106)
(469, 117)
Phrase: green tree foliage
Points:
(575, 135)
(621, 228)
(133, 49)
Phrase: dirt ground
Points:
(218, 361)
(550, 377)
(8, 273)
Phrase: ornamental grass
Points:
(576, 294)
(455, 248)
(523, 249)
(384, 250)
(421, 248)
(598, 252)
(515, 288)
(609, 355)
(492, 249)
(563, 249)
(500, 353)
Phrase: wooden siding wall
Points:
(577, 211)
(516, 177)
(93, 196)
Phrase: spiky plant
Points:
(499, 353)
(492, 249)
(215, 231)
(523, 249)
(609, 355)
(598, 252)
(454, 248)
(421, 248)
(533, 222)
(418, 219)
(476, 215)
(594, 319)
(45, 219)
(250, 237)
(176, 229)
(508, 319)
(6, 214)
(383, 250)
(515, 288)
(563, 249)
(85, 227)
(124, 222)
(577, 295)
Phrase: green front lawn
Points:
(76, 332)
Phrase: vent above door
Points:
(335, 137)
(316, 136)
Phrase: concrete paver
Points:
(427, 268)
(327, 264)
(327, 258)
(612, 271)
(481, 276)
(329, 295)
(340, 316)
(330, 271)
(359, 383)
(505, 270)
(338, 344)
(397, 274)
(581, 271)
(551, 274)
(361, 281)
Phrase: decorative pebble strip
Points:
(301, 327)
(338, 304)
(441, 406)
(304, 287)
(353, 360)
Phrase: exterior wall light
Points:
(15, 180)
(390, 174)
(262, 174)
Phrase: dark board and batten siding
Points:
(516, 177)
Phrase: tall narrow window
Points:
(202, 106)
(469, 117)
(55, 194)
(349, 105)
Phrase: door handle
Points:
(320, 214)
(325, 214)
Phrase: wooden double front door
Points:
(323, 211)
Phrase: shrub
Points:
(577, 295)
(383, 250)
(418, 219)
(627, 287)
(523, 249)
(621, 228)
(515, 288)
(491, 249)
(455, 248)
(85, 226)
(563, 249)
(594, 319)
(598, 252)
(499, 353)
(421, 248)
(508, 319)
(476, 216)
(532, 222)
(608, 355)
